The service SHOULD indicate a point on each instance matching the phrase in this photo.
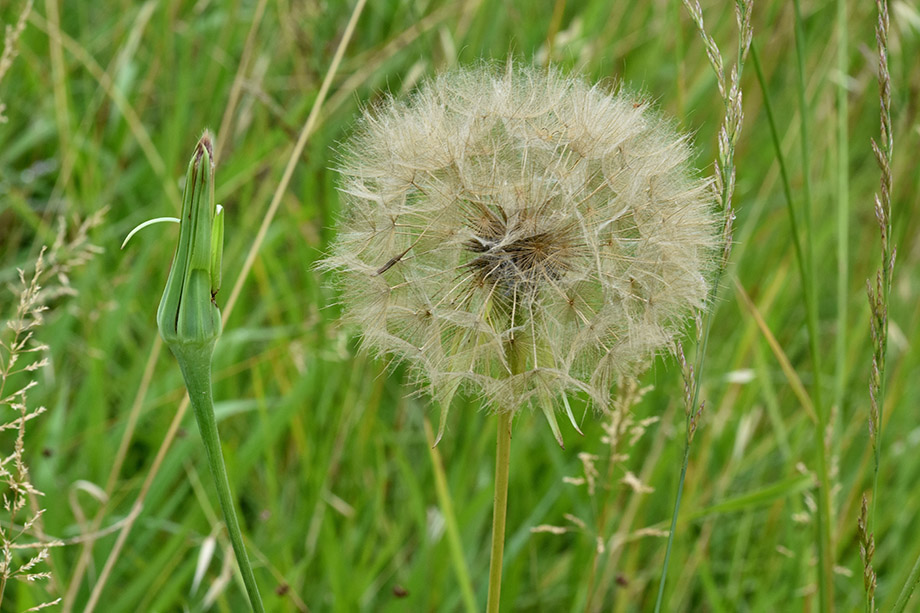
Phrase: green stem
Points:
(885, 195)
(824, 539)
(500, 509)
(450, 518)
(195, 363)
(673, 528)
(843, 203)
(806, 266)
(908, 588)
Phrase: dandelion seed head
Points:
(520, 234)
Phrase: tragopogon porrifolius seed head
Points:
(521, 234)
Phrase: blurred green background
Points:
(327, 448)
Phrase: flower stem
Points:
(195, 363)
(500, 509)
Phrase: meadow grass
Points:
(344, 505)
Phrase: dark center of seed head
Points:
(516, 267)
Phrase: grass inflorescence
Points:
(24, 546)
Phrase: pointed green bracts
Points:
(188, 313)
(190, 324)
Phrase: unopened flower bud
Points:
(188, 315)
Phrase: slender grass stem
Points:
(879, 300)
(667, 552)
(700, 362)
(450, 519)
(843, 201)
(780, 160)
(805, 263)
(195, 364)
(499, 509)
(908, 589)
(730, 89)
(809, 282)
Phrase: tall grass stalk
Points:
(803, 259)
(809, 284)
(843, 200)
(450, 519)
(908, 590)
(730, 91)
(623, 431)
(879, 294)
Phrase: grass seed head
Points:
(521, 234)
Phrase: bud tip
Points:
(205, 143)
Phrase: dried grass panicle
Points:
(866, 541)
(608, 470)
(21, 357)
(879, 291)
(879, 294)
(521, 234)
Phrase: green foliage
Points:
(326, 449)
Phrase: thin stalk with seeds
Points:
(730, 90)
(866, 552)
(879, 298)
(879, 295)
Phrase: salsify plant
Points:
(189, 322)
(524, 236)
